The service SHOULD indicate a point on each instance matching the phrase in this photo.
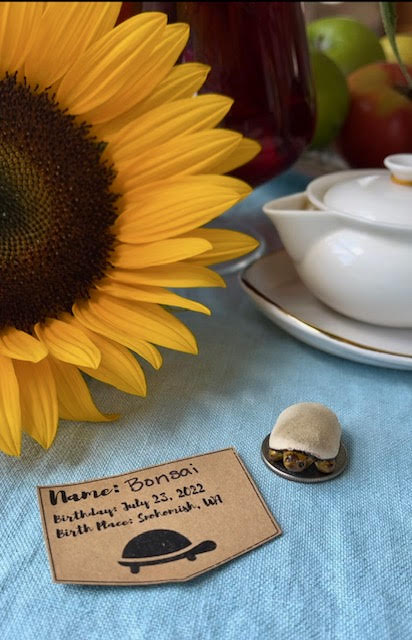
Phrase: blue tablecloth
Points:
(341, 570)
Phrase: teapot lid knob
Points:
(400, 166)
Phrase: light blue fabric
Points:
(341, 570)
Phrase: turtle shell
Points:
(157, 542)
(308, 427)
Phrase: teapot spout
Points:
(298, 225)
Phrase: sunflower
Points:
(110, 165)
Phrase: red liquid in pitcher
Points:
(258, 55)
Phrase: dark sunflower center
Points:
(56, 207)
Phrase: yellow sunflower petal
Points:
(243, 153)
(10, 413)
(144, 320)
(146, 191)
(150, 294)
(73, 395)
(166, 123)
(216, 181)
(183, 81)
(118, 367)
(108, 67)
(146, 75)
(157, 253)
(178, 274)
(38, 400)
(172, 210)
(67, 343)
(19, 22)
(185, 155)
(65, 31)
(88, 318)
(21, 346)
(226, 245)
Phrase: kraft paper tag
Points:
(165, 523)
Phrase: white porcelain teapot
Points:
(350, 238)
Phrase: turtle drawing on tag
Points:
(159, 546)
(305, 443)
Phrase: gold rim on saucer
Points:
(315, 328)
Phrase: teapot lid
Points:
(381, 196)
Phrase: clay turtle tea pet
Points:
(306, 441)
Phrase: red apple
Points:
(379, 121)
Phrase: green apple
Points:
(349, 43)
(332, 99)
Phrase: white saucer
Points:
(274, 286)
